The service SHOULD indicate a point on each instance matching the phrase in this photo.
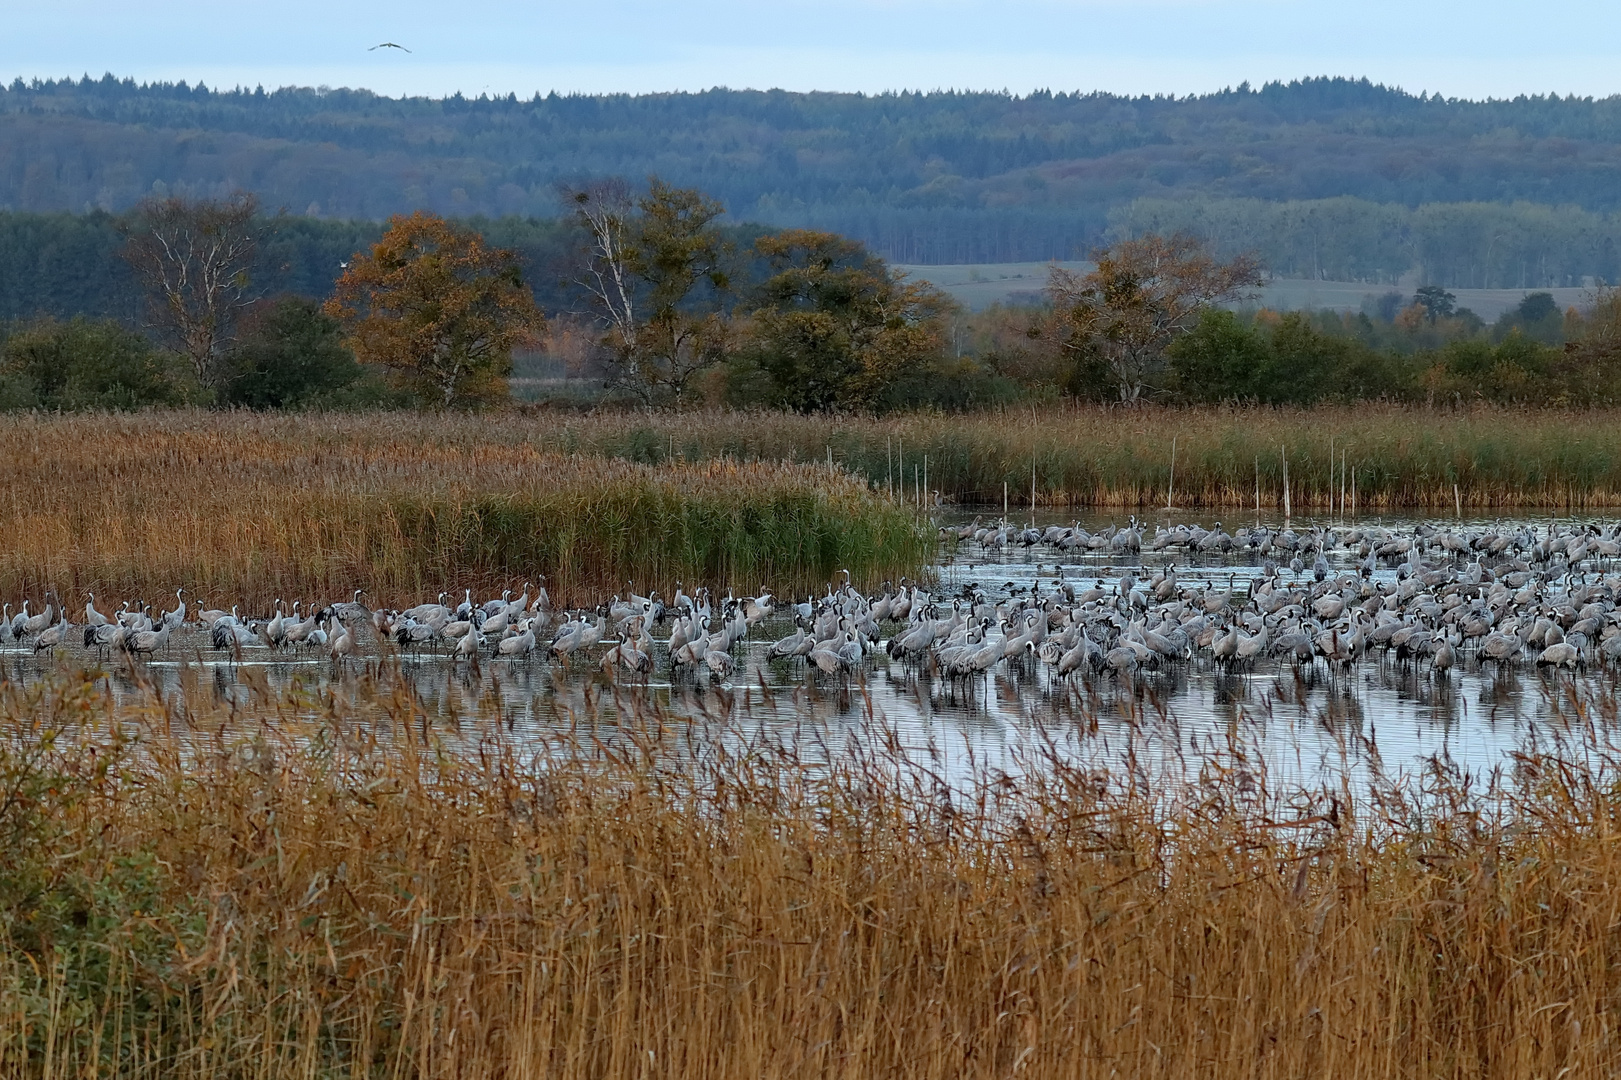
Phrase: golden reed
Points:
(338, 886)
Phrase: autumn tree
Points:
(654, 270)
(836, 327)
(1114, 324)
(194, 260)
(438, 309)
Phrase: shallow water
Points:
(1307, 722)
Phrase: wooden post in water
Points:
(1353, 492)
(1004, 502)
(1457, 500)
(1032, 491)
(1331, 476)
(1342, 485)
(1170, 486)
(1286, 514)
(1257, 490)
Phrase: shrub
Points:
(89, 364)
(292, 355)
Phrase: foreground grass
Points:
(309, 888)
(1402, 457)
(248, 508)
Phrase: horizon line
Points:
(18, 84)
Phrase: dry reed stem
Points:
(245, 508)
(312, 887)
(1404, 457)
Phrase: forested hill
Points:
(939, 177)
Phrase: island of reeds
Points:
(252, 507)
(256, 507)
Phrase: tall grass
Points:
(242, 507)
(315, 887)
(1403, 457)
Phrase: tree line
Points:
(661, 305)
(1165, 319)
(672, 307)
(1480, 245)
(936, 177)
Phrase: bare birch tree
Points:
(653, 270)
(194, 259)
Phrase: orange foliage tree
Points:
(1116, 322)
(438, 308)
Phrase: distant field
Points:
(979, 285)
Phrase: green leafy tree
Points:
(655, 272)
(836, 327)
(1436, 302)
(1222, 358)
(1536, 316)
(291, 354)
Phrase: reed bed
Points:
(323, 887)
(1382, 457)
(245, 508)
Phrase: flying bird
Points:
(388, 45)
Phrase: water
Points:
(1307, 722)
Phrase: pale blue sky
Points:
(1483, 48)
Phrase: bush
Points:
(291, 355)
(837, 328)
(89, 364)
(1537, 318)
(1280, 360)
(1222, 358)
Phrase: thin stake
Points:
(1342, 484)
(889, 467)
(1257, 489)
(1353, 492)
(1004, 502)
(1457, 500)
(925, 483)
(901, 468)
(1331, 476)
(1032, 491)
(1286, 515)
(1170, 486)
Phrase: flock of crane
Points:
(1425, 594)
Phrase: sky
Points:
(1484, 48)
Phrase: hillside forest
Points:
(1331, 178)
